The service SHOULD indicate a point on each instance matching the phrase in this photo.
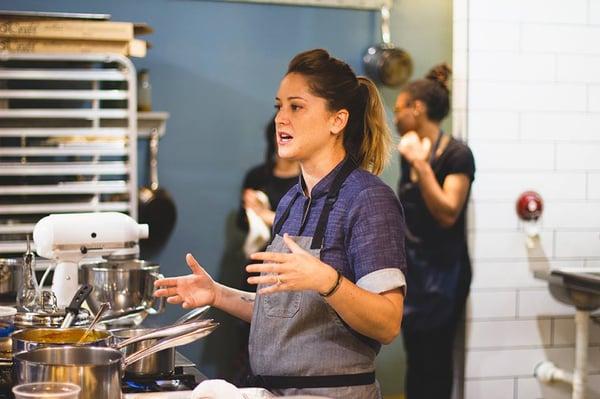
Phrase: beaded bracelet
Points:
(335, 287)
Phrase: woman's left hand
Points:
(296, 271)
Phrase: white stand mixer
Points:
(71, 237)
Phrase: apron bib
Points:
(298, 344)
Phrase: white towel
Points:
(258, 231)
(216, 389)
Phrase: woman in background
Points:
(263, 187)
(331, 288)
(436, 177)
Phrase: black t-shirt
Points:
(261, 178)
(423, 229)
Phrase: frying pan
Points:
(384, 63)
(155, 206)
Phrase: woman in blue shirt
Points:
(331, 283)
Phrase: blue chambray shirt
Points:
(364, 238)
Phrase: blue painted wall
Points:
(215, 66)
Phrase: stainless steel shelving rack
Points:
(68, 139)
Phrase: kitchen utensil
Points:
(33, 338)
(105, 306)
(72, 310)
(160, 332)
(97, 371)
(155, 206)
(160, 363)
(73, 238)
(384, 63)
(11, 273)
(47, 390)
(29, 289)
(125, 285)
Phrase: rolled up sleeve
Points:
(375, 240)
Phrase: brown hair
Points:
(366, 137)
(433, 90)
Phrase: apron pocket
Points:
(282, 304)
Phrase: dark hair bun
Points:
(441, 74)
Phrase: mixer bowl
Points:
(125, 285)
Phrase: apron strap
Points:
(435, 147)
(318, 381)
(347, 168)
(283, 218)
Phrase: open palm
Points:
(193, 290)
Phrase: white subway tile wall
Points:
(533, 123)
(490, 389)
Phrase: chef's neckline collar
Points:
(322, 187)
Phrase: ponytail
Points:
(376, 139)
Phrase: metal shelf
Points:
(63, 74)
(65, 94)
(69, 207)
(96, 187)
(68, 139)
(64, 168)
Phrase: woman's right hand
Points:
(194, 290)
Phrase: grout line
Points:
(552, 332)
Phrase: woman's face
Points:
(303, 122)
(404, 114)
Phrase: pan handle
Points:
(385, 24)
(153, 146)
(164, 332)
(170, 342)
(161, 300)
(192, 315)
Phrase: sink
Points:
(578, 287)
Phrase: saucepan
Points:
(27, 340)
(98, 371)
(385, 63)
(162, 363)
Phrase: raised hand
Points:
(413, 148)
(193, 290)
(295, 271)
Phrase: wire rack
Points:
(68, 139)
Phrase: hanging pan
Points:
(156, 206)
(384, 63)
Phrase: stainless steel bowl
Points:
(10, 278)
(126, 285)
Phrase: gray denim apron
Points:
(298, 344)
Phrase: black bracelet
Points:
(335, 286)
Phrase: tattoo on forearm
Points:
(247, 298)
